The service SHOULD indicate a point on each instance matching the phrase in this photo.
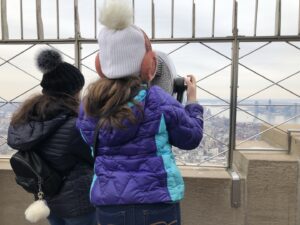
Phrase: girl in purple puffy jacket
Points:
(136, 179)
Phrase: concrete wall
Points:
(207, 199)
(270, 193)
(13, 201)
(271, 188)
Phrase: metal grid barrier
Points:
(235, 39)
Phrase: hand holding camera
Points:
(191, 88)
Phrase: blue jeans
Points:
(87, 219)
(152, 214)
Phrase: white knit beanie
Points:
(121, 44)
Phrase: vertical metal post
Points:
(172, 19)
(213, 19)
(4, 25)
(234, 85)
(39, 21)
(255, 17)
(57, 18)
(235, 189)
(278, 18)
(153, 19)
(21, 19)
(133, 11)
(194, 20)
(95, 19)
(77, 36)
(299, 19)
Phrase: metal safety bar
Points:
(194, 19)
(40, 30)
(278, 18)
(234, 86)
(21, 19)
(39, 21)
(153, 19)
(255, 17)
(4, 25)
(57, 18)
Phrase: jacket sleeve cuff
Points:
(191, 102)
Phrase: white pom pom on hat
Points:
(116, 14)
(121, 44)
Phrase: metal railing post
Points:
(57, 19)
(133, 11)
(278, 18)
(234, 87)
(21, 19)
(235, 188)
(299, 19)
(77, 36)
(39, 21)
(95, 19)
(4, 25)
(255, 17)
(213, 19)
(194, 20)
(153, 19)
(172, 19)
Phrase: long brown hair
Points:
(43, 107)
(108, 99)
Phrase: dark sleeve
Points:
(81, 149)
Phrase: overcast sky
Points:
(275, 61)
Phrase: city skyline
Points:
(216, 132)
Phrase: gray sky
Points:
(275, 61)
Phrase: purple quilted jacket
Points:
(136, 165)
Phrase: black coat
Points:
(59, 143)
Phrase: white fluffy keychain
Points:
(37, 210)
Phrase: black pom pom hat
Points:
(59, 77)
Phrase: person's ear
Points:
(148, 67)
(98, 66)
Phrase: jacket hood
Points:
(26, 136)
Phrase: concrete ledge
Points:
(204, 172)
(4, 164)
(269, 192)
(207, 198)
(276, 137)
(271, 187)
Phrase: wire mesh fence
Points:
(246, 67)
